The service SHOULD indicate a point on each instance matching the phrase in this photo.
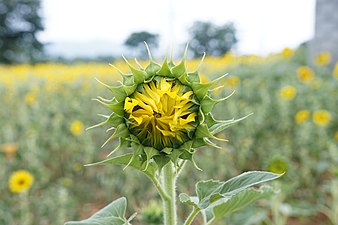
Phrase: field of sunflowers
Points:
(45, 109)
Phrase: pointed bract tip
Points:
(117, 69)
(138, 63)
(148, 50)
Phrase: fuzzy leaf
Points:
(209, 192)
(136, 163)
(239, 201)
(186, 199)
(112, 214)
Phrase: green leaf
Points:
(217, 199)
(232, 186)
(240, 200)
(112, 214)
(186, 199)
(136, 163)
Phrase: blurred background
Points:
(281, 57)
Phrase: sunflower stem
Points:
(192, 216)
(169, 184)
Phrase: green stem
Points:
(169, 205)
(191, 217)
(159, 188)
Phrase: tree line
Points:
(20, 22)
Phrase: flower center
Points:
(161, 113)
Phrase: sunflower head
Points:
(163, 112)
(20, 181)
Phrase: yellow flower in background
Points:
(10, 149)
(233, 81)
(30, 98)
(321, 117)
(161, 113)
(323, 58)
(76, 128)
(204, 79)
(336, 136)
(287, 92)
(277, 165)
(301, 116)
(20, 181)
(305, 74)
(335, 71)
(287, 53)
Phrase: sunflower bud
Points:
(163, 112)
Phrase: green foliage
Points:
(217, 199)
(136, 41)
(19, 23)
(112, 214)
(212, 39)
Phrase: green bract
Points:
(164, 132)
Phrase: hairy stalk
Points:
(169, 205)
(191, 217)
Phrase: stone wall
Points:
(326, 30)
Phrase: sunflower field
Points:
(46, 108)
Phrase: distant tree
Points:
(212, 39)
(136, 41)
(19, 23)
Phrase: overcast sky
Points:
(263, 26)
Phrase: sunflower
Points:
(76, 128)
(163, 112)
(20, 181)
(287, 92)
(301, 116)
(321, 117)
